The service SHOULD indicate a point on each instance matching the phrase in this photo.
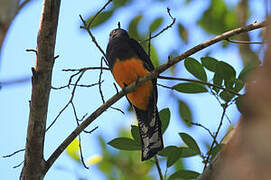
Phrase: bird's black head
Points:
(117, 33)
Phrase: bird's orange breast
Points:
(126, 72)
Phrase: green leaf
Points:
(225, 71)
(135, 134)
(238, 85)
(154, 56)
(209, 63)
(172, 153)
(183, 33)
(133, 27)
(226, 96)
(73, 150)
(185, 113)
(164, 116)
(168, 150)
(190, 142)
(119, 3)
(124, 143)
(190, 88)
(217, 81)
(239, 103)
(172, 158)
(179, 164)
(184, 174)
(187, 152)
(156, 24)
(218, 18)
(100, 19)
(195, 68)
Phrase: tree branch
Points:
(34, 163)
(142, 80)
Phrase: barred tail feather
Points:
(150, 132)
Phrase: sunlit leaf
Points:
(185, 112)
(124, 143)
(179, 164)
(195, 68)
(190, 142)
(94, 159)
(184, 174)
(73, 150)
(190, 88)
(164, 115)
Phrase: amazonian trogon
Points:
(128, 61)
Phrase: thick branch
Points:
(142, 80)
(41, 83)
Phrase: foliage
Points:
(211, 75)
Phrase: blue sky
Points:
(76, 50)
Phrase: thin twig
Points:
(81, 153)
(63, 109)
(244, 42)
(142, 80)
(116, 88)
(149, 45)
(18, 165)
(166, 28)
(31, 50)
(79, 85)
(215, 136)
(12, 154)
(89, 132)
(86, 68)
(100, 80)
(91, 35)
(76, 117)
(208, 130)
(219, 101)
(158, 167)
(200, 82)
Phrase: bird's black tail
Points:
(150, 132)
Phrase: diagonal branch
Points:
(142, 80)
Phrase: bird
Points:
(128, 61)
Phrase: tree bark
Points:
(34, 163)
